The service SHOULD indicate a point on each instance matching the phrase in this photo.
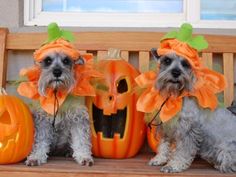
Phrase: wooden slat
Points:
(207, 59)
(228, 62)
(133, 167)
(131, 41)
(3, 56)
(125, 55)
(144, 61)
(101, 55)
(82, 52)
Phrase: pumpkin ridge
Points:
(131, 144)
(16, 135)
(12, 114)
(27, 121)
(115, 144)
(99, 138)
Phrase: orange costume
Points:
(83, 74)
(207, 85)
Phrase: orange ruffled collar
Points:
(207, 85)
(83, 75)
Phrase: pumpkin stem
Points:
(3, 91)
(114, 53)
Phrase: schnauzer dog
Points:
(198, 131)
(71, 132)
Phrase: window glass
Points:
(113, 6)
(218, 9)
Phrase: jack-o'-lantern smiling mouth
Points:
(5, 142)
(109, 125)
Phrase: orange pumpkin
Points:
(153, 138)
(118, 129)
(16, 130)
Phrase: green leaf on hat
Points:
(170, 35)
(185, 35)
(198, 43)
(185, 32)
(54, 33)
(67, 35)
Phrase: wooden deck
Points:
(133, 167)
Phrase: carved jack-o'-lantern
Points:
(16, 130)
(118, 129)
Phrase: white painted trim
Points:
(193, 11)
(34, 16)
(107, 20)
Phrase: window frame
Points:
(34, 16)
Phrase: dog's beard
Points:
(64, 83)
(169, 86)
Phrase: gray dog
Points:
(71, 133)
(197, 131)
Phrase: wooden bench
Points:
(135, 47)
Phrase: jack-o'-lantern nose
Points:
(111, 97)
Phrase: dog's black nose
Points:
(57, 72)
(175, 72)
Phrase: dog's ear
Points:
(80, 61)
(232, 108)
(155, 54)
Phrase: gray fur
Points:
(198, 131)
(71, 134)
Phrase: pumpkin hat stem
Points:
(3, 91)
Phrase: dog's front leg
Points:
(162, 156)
(43, 138)
(182, 156)
(80, 138)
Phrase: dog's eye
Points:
(48, 61)
(185, 64)
(66, 61)
(167, 61)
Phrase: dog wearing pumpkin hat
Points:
(183, 92)
(60, 75)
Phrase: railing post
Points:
(3, 56)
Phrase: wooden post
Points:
(144, 58)
(3, 56)
(228, 62)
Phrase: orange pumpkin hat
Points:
(207, 85)
(58, 42)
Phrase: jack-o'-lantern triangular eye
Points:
(122, 86)
(4, 116)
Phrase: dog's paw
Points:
(85, 161)
(33, 162)
(170, 169)
(226, 168)
(157, 161)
